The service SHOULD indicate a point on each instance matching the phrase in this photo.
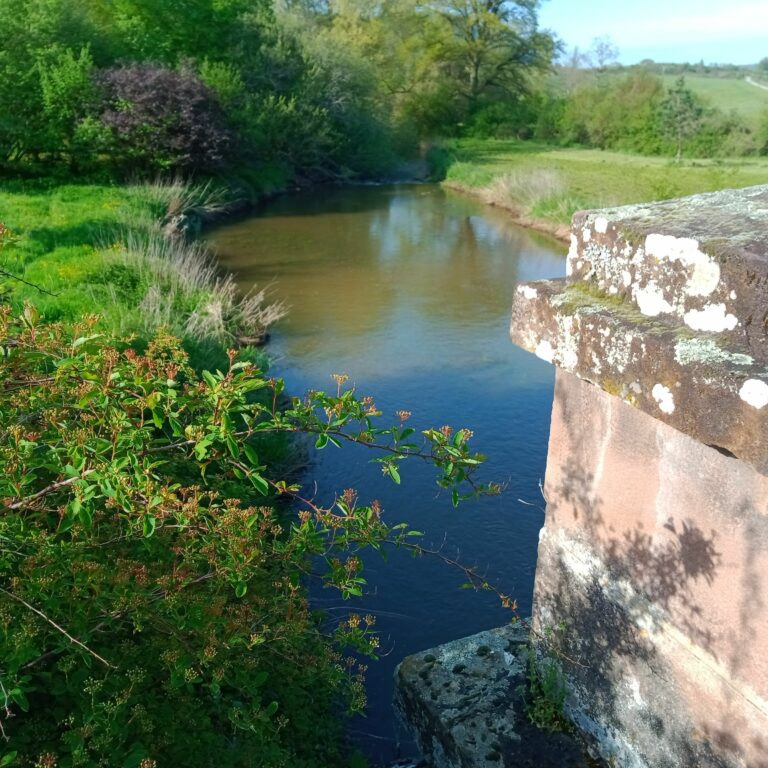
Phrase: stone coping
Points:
(464, 704)
(665, 305)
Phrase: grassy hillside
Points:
(727, 94)
(549, 184)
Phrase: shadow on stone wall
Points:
(609, 626)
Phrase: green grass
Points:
(589, 178)
(58, 234)
(90, 249)
(727, 93)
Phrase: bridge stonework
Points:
(652, 574)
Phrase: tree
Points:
(681, 115)
(490, 44)
(604, 52)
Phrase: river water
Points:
(407, 289)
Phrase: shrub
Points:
(163, 119)
(152, 608)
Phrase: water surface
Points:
(407, 289)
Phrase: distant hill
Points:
(728, 93)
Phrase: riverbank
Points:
(542, 186)
(128, 254)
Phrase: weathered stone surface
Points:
(701, 262)
(463, 703)
(691, 381)
(654, 553)
(666, 306)
(655, 557)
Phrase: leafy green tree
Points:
(681, 115)
(762, 133)
(490, 44)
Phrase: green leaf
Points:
(393, 473)
(83, 339)
(201, 448)
(251, 454)
(20, 698)
(455, 497)
(321, 442)
(157, 417)
(259, 483)
(233, 447)
(271, 709)
(149, 523)
(175, 426)
(210, 379)
(7, 758)
(241, 589)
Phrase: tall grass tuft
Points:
(172, 197)
(228, 317)
(526, 188)
(184, 290)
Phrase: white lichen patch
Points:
(683, 249)
(626, 278)
(567, 346)
(527, 291)
(618, 351)
(713, 317)
(545, 351)
(688, 351)
(650, 300)
(663, 396)
(586, 234)
(634, 689)
(704, 271)
(601, 225)
(573, 252)
(754, 392)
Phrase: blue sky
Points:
(733, 32)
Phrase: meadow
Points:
(727, 94)
(549, 184)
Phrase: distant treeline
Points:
(628, 109)
(285, 87)
(270, 90)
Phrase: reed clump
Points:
(179, 284)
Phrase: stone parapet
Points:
(665, 305)
(654, 554)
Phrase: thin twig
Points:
(26, 282)
(48, 489)
(56, 627)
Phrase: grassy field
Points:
(727, 94)
(549, 184)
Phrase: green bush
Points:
(153, 606)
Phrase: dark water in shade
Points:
(408, 289)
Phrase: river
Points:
(407, 289)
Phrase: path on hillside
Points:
(749, 80)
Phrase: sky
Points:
(734, 32)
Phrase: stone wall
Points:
(653, 562)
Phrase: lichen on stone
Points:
(701, 350)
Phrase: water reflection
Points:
(408, 290)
